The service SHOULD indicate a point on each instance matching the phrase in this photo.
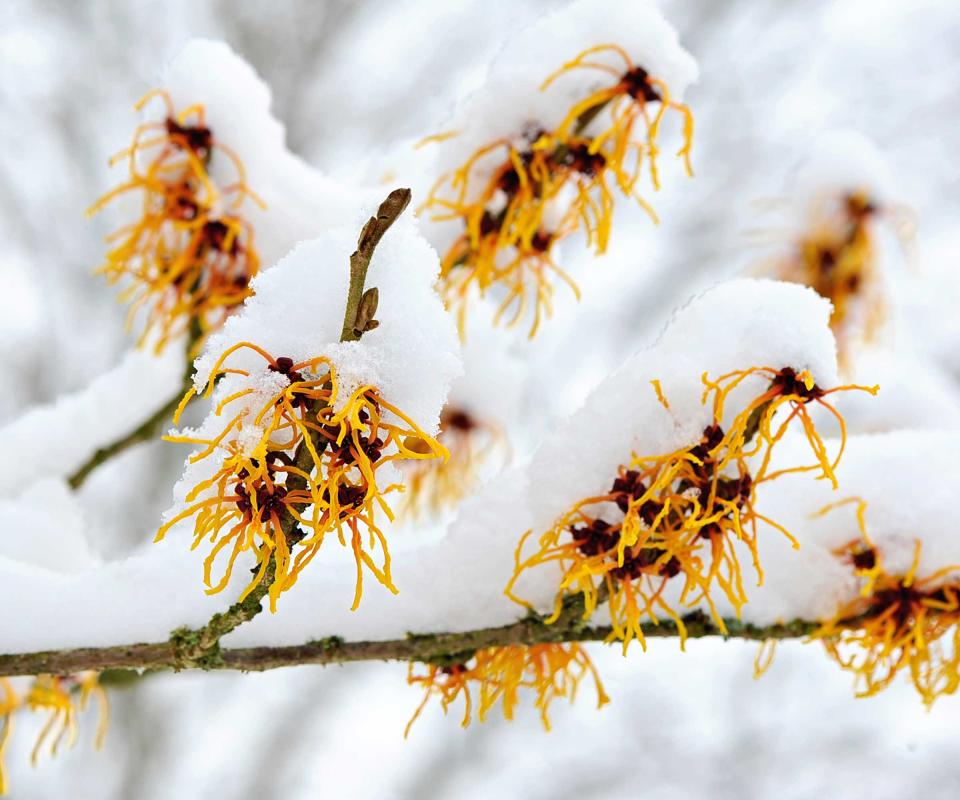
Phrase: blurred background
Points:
(349, 78)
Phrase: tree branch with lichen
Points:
(433, 648)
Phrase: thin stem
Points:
(388, 213)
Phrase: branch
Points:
(201, 647)
(434, 648)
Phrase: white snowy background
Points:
(351, 77)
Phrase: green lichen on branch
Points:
(180, 652)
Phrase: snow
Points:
(510, 100)
(297, 310)
(736, 325)
(55, 439)
(137, 599)
(456, 582)
(906, 478)
(44, 527)
(347, 84)
(915, 393)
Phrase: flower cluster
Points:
(63, 698)
(296, 460)
(678, 517)
(188, 259)
(837, 258)
(497, 674)
(517, 197)
(899, 623)
(434, 486)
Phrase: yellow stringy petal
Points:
(434, 486)
(900, 623)
(189, 258)
(499, 675)
(62, 699)
(516, 198)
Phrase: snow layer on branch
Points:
(299, 200)
(137, 599)
(908, 480)
(734, 326)
(54, 440)
(298, 306)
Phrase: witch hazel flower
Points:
(212, 193)
(553, 165)
(845, 197)
(189, 258)
(499, 674)
(683, 515)
(294, 445)
(901, 622)
(63, 698)
(309, 421)
(471, 442)
(667, 531)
